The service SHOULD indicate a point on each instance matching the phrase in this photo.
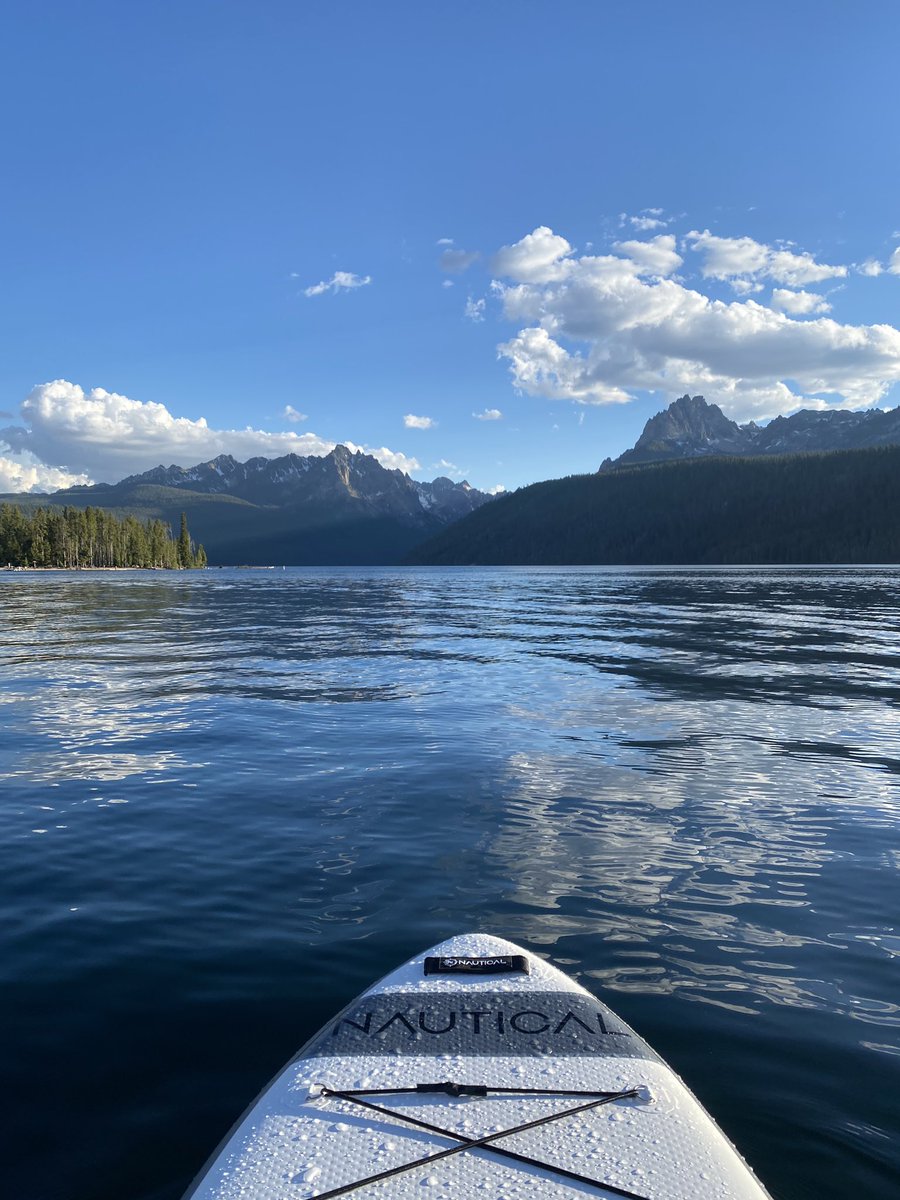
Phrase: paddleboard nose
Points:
(476, 945)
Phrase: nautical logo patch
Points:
(492, 964)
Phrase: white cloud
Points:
(457, 261)
(413, 422)
(489, 414)
(894, 263)
(106, 436)
(656, 257)
(745, 287)
(290, 414)
(542, 367)
(447, 468)
(475, 309)
(645, 224)
(25, 473)
(447, 283)
(497, 489)
(799, 303)
(392, 459)
(535, 259)
(339, 282)
(444, 242)
(870, 267)
(724, 258)
(593, 331)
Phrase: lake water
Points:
(232, 799)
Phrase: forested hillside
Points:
(842, 506)
(77, 538)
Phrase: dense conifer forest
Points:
(75, 538)
(837, 507)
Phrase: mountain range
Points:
(339, 508)
(815, 487)
(692, 428)
(346, 482)
(693, 488)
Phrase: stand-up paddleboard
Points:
(476, 1070)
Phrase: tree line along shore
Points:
(839, 506)
(90, 538)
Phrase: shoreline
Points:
(45, 570)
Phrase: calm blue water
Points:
(230, 800)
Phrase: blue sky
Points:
(563, 214)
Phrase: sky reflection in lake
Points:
(682, 786)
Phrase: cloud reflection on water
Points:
(663, 776)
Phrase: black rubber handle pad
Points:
(493, 964)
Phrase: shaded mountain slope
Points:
(341, 508)
(816, 508)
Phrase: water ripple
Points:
(234, 798)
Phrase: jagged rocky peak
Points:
(688, 428)
(688, 419)
(353, 465)
(342, 481)
(443, 484)
(252, 464)
(692, 428)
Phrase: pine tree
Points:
(73, 538)
(185, 557)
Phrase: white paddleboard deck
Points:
(517, 1024)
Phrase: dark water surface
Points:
(230, 800)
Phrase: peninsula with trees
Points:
(91, 539)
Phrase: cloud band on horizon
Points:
(71, 436)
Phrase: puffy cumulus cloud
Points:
(291, 414)
(391, 459)
(108, 436)
(444, 242)
(655, 257)
(595, 329)
(542, 367)
(894, 263)
(489, 414)
(413, 422)
(454, 262)
(25, 473)
(870, 267)
(497, 489)
(341, 281)
(799, 303)
(534, 259)
(727, 258)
